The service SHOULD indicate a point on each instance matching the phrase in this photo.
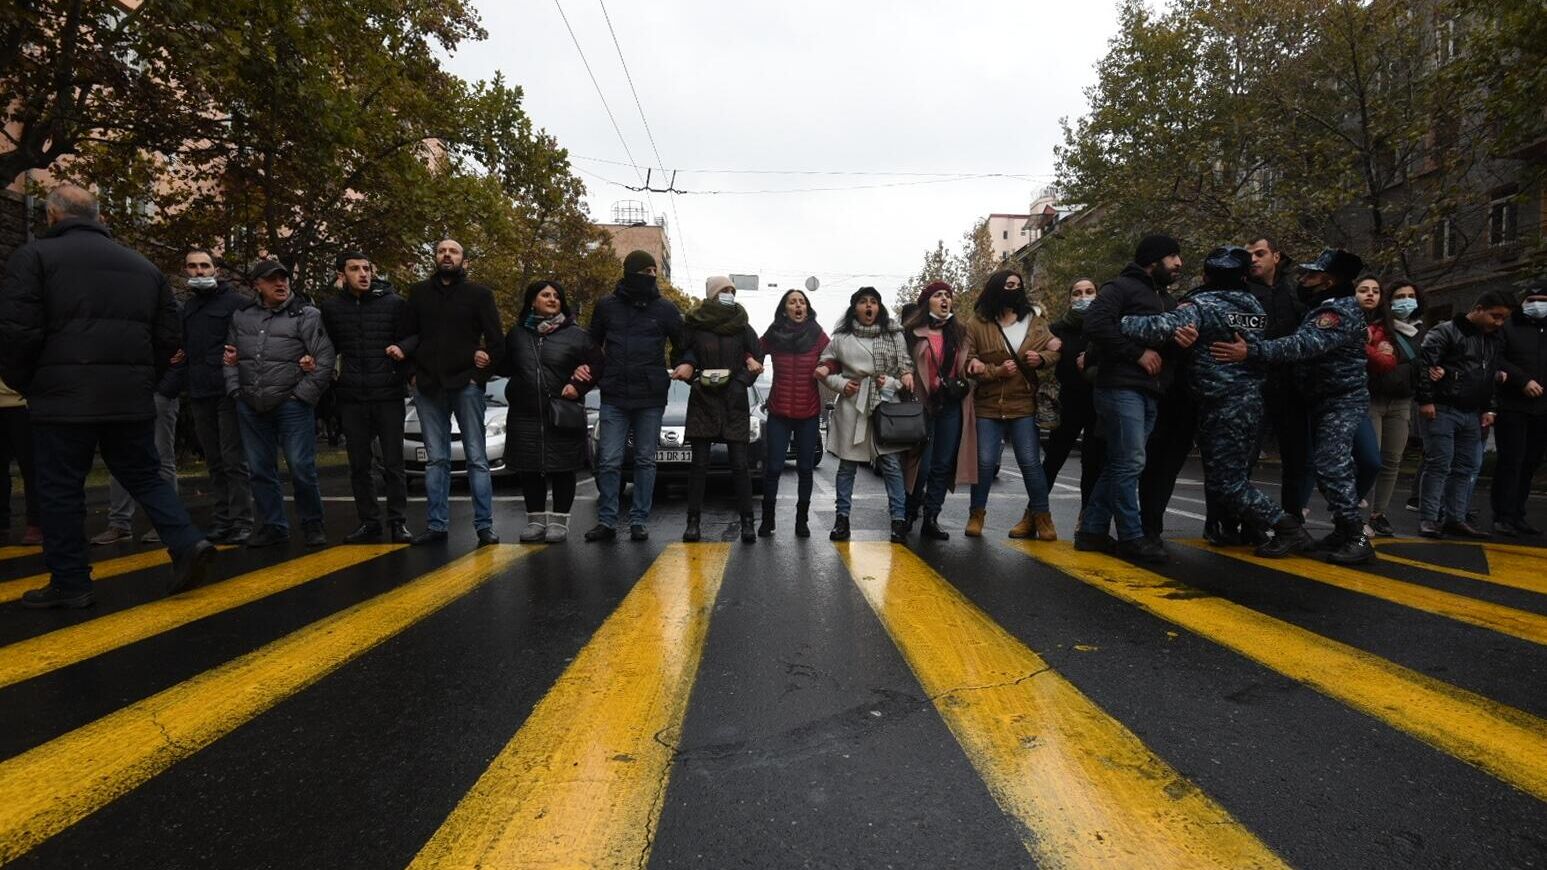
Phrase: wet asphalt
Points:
(807, 740)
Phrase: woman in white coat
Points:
(866, 364)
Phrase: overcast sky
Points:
(896, 87)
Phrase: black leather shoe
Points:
(840, 530)
(1220, 534)
(236, 537)
(803, 520)
(692, 533)
(366, 533)
(1465, 530)
(401, 534)
(429, 536)
(268, 536)
(190, 569)
(601, 533)
(931, 529)
(1146, 550)
(315, 536)
(1527, 529)
(638, 533)
(1090, 542)
(218, 535)
(1427, 529)
(50, 597)
(748, 529)
(1381, 526)
(1356, 549)
(900, 531)
(487, 538)
(1289, 537)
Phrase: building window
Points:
(1445, 239)
(1006, 234)
(1504, 223)
(1447, 40)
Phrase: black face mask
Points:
(640, 285)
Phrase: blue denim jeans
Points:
(435, 412)
(1450, 460)
(807, 444)
(1022, 433)
(937, 462)
(291, 427)
(891, 472)
(1127, 418)
(612, 428)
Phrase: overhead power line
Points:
(1026, 175)
(915, 183)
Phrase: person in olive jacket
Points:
(364, 322)
(727, 357)
(1521, 429)
(545, 424)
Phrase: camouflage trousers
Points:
(1334, 420)
(1229, 431)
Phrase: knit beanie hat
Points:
(1154, 248)
(717, 283)
(636, 262)
(933, 288)
(1538, 288)
(863, 292)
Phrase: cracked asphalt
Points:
(791, 703)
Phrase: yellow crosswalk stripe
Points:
(1484, 614)
(1085, 790)
(18, 552)
(1507, 743)
(51, 787)
(11, 590)
(29, 658)
(1508, 565)
(582, 782)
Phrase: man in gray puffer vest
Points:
(278, 363)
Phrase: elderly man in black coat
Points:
(87, 327)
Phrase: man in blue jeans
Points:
(453, 337)
(630, 330)
(1129, 383)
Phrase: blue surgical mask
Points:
(1405, 307)
(1535, 310)
(1080, 303)
(726, 298)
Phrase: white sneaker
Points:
(536, 529)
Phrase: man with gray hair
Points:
(87, 327)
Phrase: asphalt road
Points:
(794, 703)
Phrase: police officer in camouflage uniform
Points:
(1328, 350)
(1228, 394)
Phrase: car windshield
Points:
(495, 391)
(677, 397)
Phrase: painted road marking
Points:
(582, 782)
(1483, 614)
(29, 658)
(1508, 565)
(18, 552)
(11, 590)
(1085, 790)
(51, 787)
(1507, 743)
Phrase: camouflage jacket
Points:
(1218, 315)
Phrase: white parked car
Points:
(493, 431)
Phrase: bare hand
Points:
(229, 356)
(907, 382)
(1150, 361)
(179, 358)
(1501, 376)
(1229, 351)
(1054, 345)
(1079, 362)
(308, 363)
(851, 388)
(880, 380)
(683, 372)
(481, 359)
(976, 368)
(1533, 389)
(1034, 359)
(820, 373)
(1185, 335)
(1385, 349)
(395, 353)
(1007, 368)
(1436, 373)
(569, 392)
(1427, 411)
(583, 374)
(754, 366)
(1487, 419)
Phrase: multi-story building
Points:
(1007, 232)
(632, 229)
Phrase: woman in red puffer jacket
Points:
(794, 342)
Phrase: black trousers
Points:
(1076, 424)
(1165, 454)
(365, 424)
(1521, 440)
(16, 443)
(1289, 417)
(534, 491)
(220, 438)
(700, 475)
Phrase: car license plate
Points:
(674, 456)
(419, 454)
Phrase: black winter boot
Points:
(1289, 537)
(900, 529)
(931, 529)
(911, 511)
(691, 533)
(1356, 549)
(840, 530)
(803, 520)
(765, 529)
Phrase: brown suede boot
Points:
(1044, 524)
(1024, 528)
(975, 522)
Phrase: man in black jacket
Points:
(364, 320)
(453, 336)
(87, 326)
(630, 330)
(1284, 411)
(206, 320)
(1521, 429)
(1129, 384)
(1462, 358)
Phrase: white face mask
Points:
(1535, 310)
(1404, 307)
(1081, 303)
(727, 298)
(205, 283)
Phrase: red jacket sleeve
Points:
(1378, 362)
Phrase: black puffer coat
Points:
(87, 327)
(631, 334)
(722, 413)
(361, 329)
(538, 368)
(206, 320)
(1524, 359)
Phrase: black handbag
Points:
(900, 424)
(567, 415)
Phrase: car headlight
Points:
(493, 428)
(755, 430)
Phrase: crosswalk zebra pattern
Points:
(1015, 702)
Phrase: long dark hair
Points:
(953, 329)
(1382, 312)
(781, 316)
(993, 298)
(883, 319)
(530, 297)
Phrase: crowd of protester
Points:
(1334, 372)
